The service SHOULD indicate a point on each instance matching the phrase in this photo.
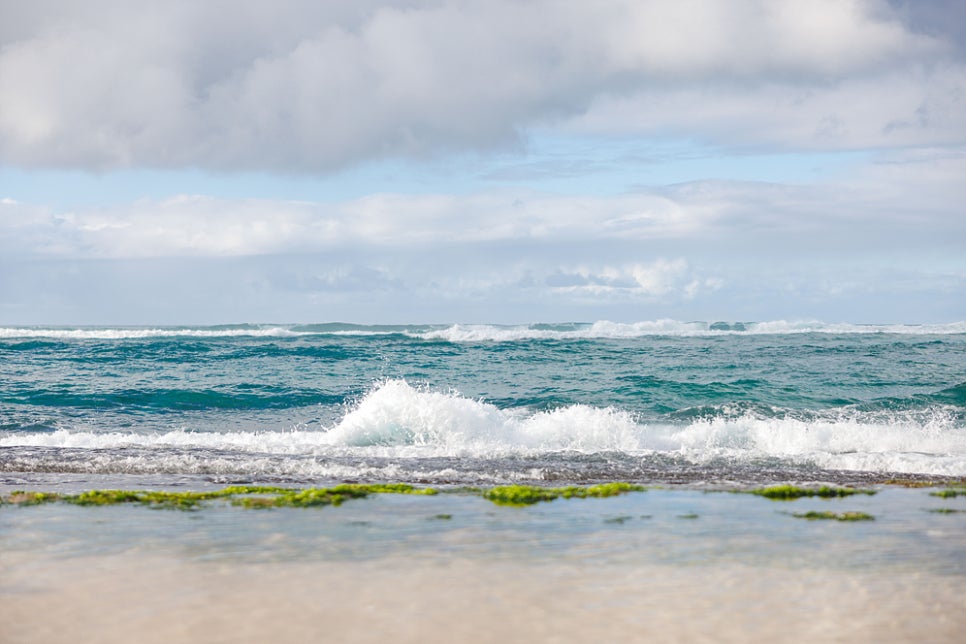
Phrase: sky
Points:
(482, 161)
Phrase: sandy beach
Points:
(123, 598)
(663, 565)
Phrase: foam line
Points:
(490, 333)
(398, 420)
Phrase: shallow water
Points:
(679, 565)
(679, 527)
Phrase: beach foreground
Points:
(661, 565)
(123, 598)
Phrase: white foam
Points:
(937, 447)
(139, 333)
(397, 414)
(495, 333)
(398, 420)
(617, 330)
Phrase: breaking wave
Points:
(397, 420)
(486, 332)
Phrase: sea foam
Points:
(396, 419)
(489, 333)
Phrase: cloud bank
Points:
(885, 243)
(526, 133)
(905, 202)
(311, 87)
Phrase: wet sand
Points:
(133, 597)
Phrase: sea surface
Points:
(698, 403)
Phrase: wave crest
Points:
(396, 413)
(487, 332)
(396, 419)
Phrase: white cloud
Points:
(207, 226)
(908, 202)
(915, 106)
(660, 277)
(883, 243)
(657, 279)
(306, 86)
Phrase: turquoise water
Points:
(655, 401)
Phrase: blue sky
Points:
(439, 161)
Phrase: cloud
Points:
(304, 288)
(312, 87)
(655, 279)
(908, 201)
(915, 106)
(882, 242)
(194, 225)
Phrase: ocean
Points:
(697, 414)
(668, 402)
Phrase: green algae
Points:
(249, 496)
(792, 492)
(618, 520)
(520, 495)
(265, 497)
(314, 497)
(944, 510)
(834, 516)
(398, 488)
(295, 498)
(949, 493)
(157, 499)
(255, 489)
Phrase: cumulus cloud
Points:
(656, 279)
(308, 87)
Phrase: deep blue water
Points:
(653, 401)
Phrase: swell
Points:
(485, 333)
(237, 397)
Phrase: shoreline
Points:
(697, 478)
(663, 564)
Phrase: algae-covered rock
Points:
(175, 500)
(834, 516)
(949, 493)
(519, 495)
(249, 496)
(791, 492)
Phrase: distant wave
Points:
(398, 420)
(90, 333)
(485, 332)
(617, 330)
